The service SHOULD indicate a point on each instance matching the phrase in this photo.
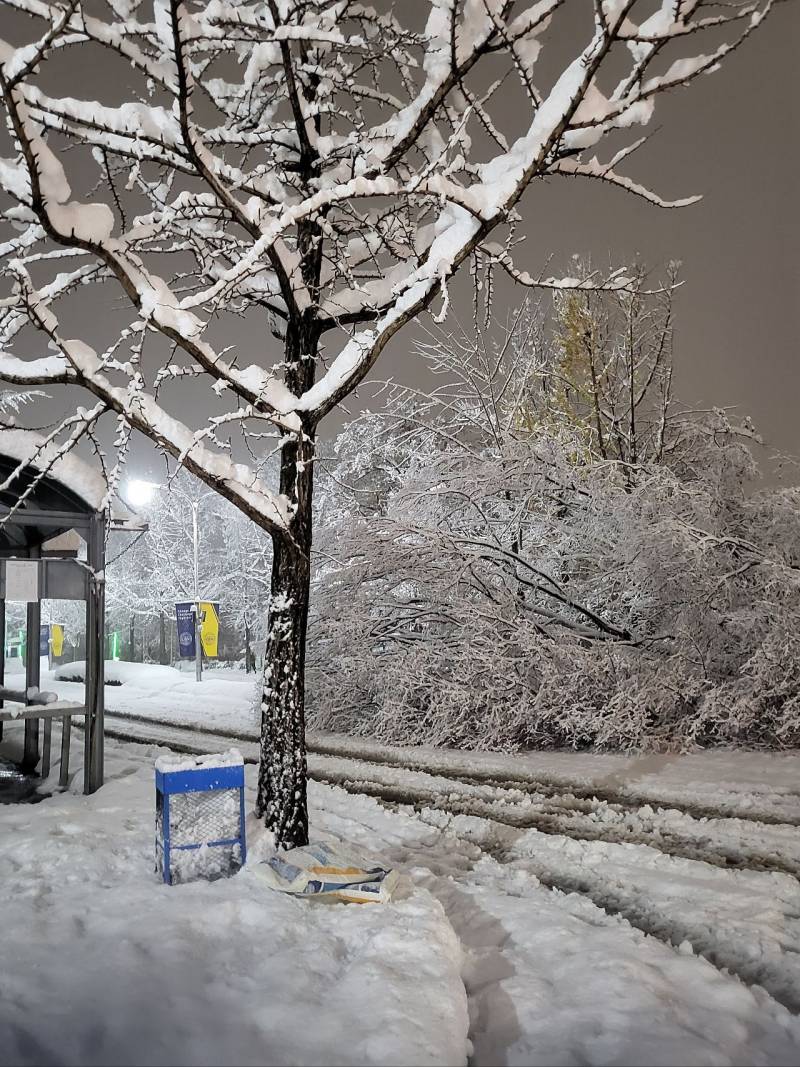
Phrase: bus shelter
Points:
(46, 500)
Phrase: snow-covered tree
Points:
(156, 569)
(613, 373)
(508, 582)
(300, 177)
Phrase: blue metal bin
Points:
(200, 817)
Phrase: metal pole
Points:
(66, 731)
(88, 679)
(198, 649)
(99, 530)
(47, 724)
(30, 756)
(95, 661)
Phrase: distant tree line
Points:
(155, 569)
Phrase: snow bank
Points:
(744, 920)
(581, 987)
(229, 973)
(145, 676)
(555, 979)
(224, 698)
(102, 965)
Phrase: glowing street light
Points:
(140, 492)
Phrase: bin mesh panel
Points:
(196, 818)
(186, 865)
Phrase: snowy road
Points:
(541, 878)
(724, 835)
(552, 977)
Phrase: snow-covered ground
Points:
(223, 699)
(558, 908)
(102, 964)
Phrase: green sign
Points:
(114, 644)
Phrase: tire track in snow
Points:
(494, 947)
(610, 898)
(613, 900)
(560, 824)
(639, 913)
(569, 794)
(567, 816)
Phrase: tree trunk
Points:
(282, 771)
(282, 767)
(281, 799)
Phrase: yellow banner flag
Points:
(209, 628)
(56, 639)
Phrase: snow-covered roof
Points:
(70, 471)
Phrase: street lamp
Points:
(140, 493)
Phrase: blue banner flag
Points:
(44, 639)
(185, 619)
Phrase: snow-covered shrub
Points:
(490, 578)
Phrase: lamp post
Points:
(198, 650)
